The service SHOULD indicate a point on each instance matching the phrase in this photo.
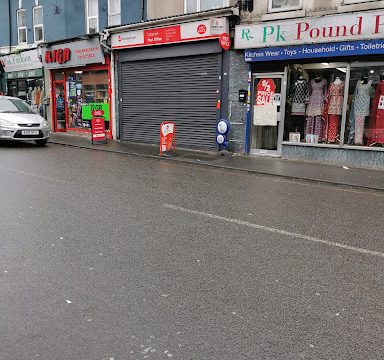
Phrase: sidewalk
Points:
(329, 174)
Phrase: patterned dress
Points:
(361, 109)
(315, 121)
(300, 97)
(376, 124)
(335, 101)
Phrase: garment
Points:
(375, 133)
(333, 127)
(315, 125)
(336, 98)
(316, 101)
(300, 97)
(359, 129)
(362, 98)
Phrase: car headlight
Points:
(6, 123)
(44, 123)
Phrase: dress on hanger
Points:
(361, 109)
(300, 97)
(335, 100)
(315, 122)
(376, 123)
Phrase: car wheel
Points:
(41, 142)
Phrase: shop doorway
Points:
(267, 114)
(59, 109)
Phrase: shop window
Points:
(114, 12)
(284, 5)
(364, 124)
(21, 26)
(86, 90)
(315, 103)
(356, 1)
(92, 11)
(191, 6)
(38, 27)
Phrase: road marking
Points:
(31, 174)
(277, 231)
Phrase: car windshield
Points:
(14, 106)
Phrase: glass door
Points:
(267, 110)
(59, 110)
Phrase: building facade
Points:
(314, 74)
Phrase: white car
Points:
(19, 122)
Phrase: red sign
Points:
(225, 41)
(59, 56)
(162, 35)
(97, 113)
(201, 29)
(167, 137)
(98, 129)
(265, 91)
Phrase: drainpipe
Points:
(10, 26)
(143, 3)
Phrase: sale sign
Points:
(167, 137)
(98, 127)
(265, 91)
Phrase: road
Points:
(111, 257)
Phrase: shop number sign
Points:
(98, 126)
(265, 92)
(167, 137)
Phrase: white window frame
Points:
(198, 3)
(21, 27)
(349, 2)
(287, 8)
(91, 17)
(38, 25)
(110, 14)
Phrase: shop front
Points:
(316, 96)
(24, 78)
(173, 73)
(79, 75)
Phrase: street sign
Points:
(167, 137)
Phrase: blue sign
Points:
(369, 47)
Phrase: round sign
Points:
(225, 41)
(201, 29)
(220, 139)
(96, 113)
(222, 127)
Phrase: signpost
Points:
(98, 127)
(167, 137)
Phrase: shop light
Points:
(325, 63)
(371, 71)
(344, 70)
(78, 72)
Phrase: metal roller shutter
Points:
(183, 90)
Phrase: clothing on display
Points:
(300, 97)
(315, 121)
(376, 123)
(361, 108)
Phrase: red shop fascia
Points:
(69, 96)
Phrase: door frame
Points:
(54, 115)
(280, 131)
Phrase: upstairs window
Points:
(21, 26)
(92, 11)
(356, 1)
(284, 5)
(114, 12)
(191, 6)
(38, 28)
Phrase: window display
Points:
(315, 103)
(365, 120)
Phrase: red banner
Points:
(162, 35)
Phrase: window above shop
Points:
(191, 6)
(21, 26)
(38, 27)
(356, 1)
(114, 12)
(284, 5)
(92, 16)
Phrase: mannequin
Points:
(300, 97)
(315, 122)
(361, 108)
(376, 123)
(38, 96)
(29, 95)
(33, 98)
(334, 109)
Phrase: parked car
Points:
(19, 122)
